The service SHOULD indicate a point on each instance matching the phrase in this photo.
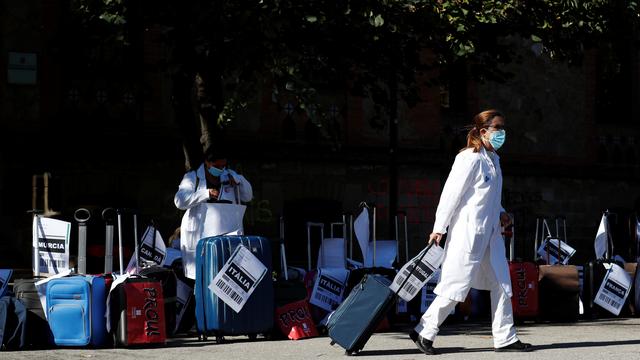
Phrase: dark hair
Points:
(480, 121)
(215, 152)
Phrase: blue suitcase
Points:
(213, 316)
(76, 310)
(352, 324)
(355, 320)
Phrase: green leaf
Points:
(535, 38)
(378, 21)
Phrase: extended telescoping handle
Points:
(82, 215)
(344, 234)
(512, 243)
(108, 216)
(373, 231)
(309, 226)
(283, 254)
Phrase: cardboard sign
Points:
(238, 278)
(51, 242)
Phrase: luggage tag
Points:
(614, 289)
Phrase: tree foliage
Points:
(228, 49)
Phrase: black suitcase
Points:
(38, 333)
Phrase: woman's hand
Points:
(434, 237)
(505, 219)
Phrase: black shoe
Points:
(426, 346)
(517, 346)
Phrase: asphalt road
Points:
(604, 339)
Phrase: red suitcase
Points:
(137, 313)
(524, 283)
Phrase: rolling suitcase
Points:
(559, 289)
(355, 320)
(594, 273)
(169, 283)
(212, 314)
(13, 316)
(137, 313)
(76, 310)
(137, 304)
(524, 282)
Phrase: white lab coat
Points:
(470, 205)
(194, 202)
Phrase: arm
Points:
(188, 196)
(244, 187)
(462, 171)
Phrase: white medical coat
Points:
(470, 206)
(194, 200)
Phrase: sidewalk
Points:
(604, 339)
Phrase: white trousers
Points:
(502, 328)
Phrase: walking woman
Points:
(470, 206)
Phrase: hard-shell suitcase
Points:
(137, 304)
(137, 312)
(212, 314)
(524, 282)
(76, 310)
(38, 333)
(169, 288)
(352, 324)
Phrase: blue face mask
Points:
(215, 171)
(497, 139)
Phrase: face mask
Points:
(497, 139)
(215, 171)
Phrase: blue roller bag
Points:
(212, 314)
(353, 322)
(76, 310)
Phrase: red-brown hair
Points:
(480, 121)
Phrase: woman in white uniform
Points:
(470, 207)
(211, 182)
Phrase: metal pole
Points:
(82, 238)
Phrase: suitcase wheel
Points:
(351, 352)
(202, 337)
(219, 339)
(252, 337)
(332, 343)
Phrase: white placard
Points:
(238, 278)
(566, 251)
(51, 239)
(614, 289)
(332, 253)
(423, 272)
(147, 252)
(328, 289)
(386, 252)
(427, 295)
(5, 275)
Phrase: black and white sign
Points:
(51, 240)
(423, 272)
(238, 278)
(329, 288)
(147, 252)
(614, 289)
(559, 252)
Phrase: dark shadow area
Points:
(585, 344)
